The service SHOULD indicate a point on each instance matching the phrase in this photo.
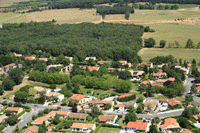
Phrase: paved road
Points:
(188, 84)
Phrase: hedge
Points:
(20, 114)
(129, 98)
(98, 126)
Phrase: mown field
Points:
(172, 32)
(4, 3)
(108, 130)
(185, 54)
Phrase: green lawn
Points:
(174, 32)
(120, 121)
(180, 5)
(108, 130)
(185, 54)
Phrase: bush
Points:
(20, 114)
(2, 127)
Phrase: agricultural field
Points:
(172, 32)
(185, 54)
(108, 130)
(5, 3)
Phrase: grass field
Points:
(108, 130)
(4, 3)
(185, 54)
(174, 32)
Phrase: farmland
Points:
(185, 54)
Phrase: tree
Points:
(8, 112)
(131, 109)
(21, 96)
(65, 101)
(56, 119)
(95, 111)
(17, 130)
(140, 99)
(177, 44)
(149, 42)
(72, 102)
(145, 69)
(8, 83)
(103, 16)
(76, 88)
(74, 109)
(16, 75)
(146, 29)
(127, 15)
(107, 106)
(198, 45)
(162, 43)
(189, 98)
(153, 128)
(130, 117)
(89, 118)
(12, 120)
(149, 107)
(189, 44)
(139, 109)
(1, 89)
(42, 128)
(32, 92)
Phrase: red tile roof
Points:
(78, 97)
(198, 87)
(13, 109)
(125, 95)
(154, 84)
(31, 129)
(106, 117)
(173, 102)
(144, 82)
(170, 123)
(136, 125)
(82, 125)
(186, 131)
(92, 68)
(196, 117)
(171, 79)
(29, 58)
(101, 62)
(100, 102)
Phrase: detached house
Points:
(77, 116)
(55, 94)
(15, 110)
(83, 127)
(41, 89)
(136, 74)
(109, 119)
(63, 114)
(123, 62)
(40, 120)
(152, 104)
(149, 65)
(101, 104)
(124, 105)
(31, 129)
(11, 66)
(43, 59)
(170, 123)
(30, 58)
(2, 118)
(70, 58)
(173, 102)
(197, 88)
(17, 55)
(80, 98)
(186, 131)
(133, 127)
(87, 58)
(67, 68)
(91, 68)
(146, 83)
(158, 75)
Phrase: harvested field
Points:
(185, 54)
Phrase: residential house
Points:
(40, 120)
(149, 65)
(154, 84)
(17, 55)
(133, 127)
(164, 101)
(173, 102)
(2, 118)
(170, 123)
(83, 127)
(81, 98)
(123, 62)
(55, 94)
(41, 89)
(12, 97)
(50, 66)
(186, 70)
(87, 58)
(63, 114)
(115, 69)
(158, 75)
(31, 129)
(122, 96)
(11, 66)
(136, 74)
(186, 131)
(50, 128)
(109, 119)
(70, 58)
(15, 110)
(77, 116)
(101, 104)
(196, 117)
(152, 104)
(197, 88)
(189, 65)
(91, 68)
(161, 81)
(43, 59)
(124, 105)
(146, 83)
(101, 62)
(30, 58)
(67, 68)
(161, 66)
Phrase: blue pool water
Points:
(57, 89)
(91, 97)
(163, 108)
(197, 126)
(110, 98)
(116, 124)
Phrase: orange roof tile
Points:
(154, 84)
(151, 103)
(196, 117)
(41, 119)
(31, 129)
(125, 95)
(173, 102)
(170, 123)
(137, 125)
(144, 82)
(171, 79)
(53, 113)
(100, 102)
(82, 125)
(78, 97)
(198, 87)
(106, 117)
(186, 131)
(13, 109)
(92, 68)
(29, 58)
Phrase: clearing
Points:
(108, 130)
(185, 54)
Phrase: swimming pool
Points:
(197, 125)
(57, 89)
(110, 98)
(163, 109)
(91, 97)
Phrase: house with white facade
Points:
(109, 119)
(133, 127)
(83, 127)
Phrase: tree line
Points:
(114, 10)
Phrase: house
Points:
(77, 116)
(11, 97)
(50, 128)
(136, 74)
(197, 88)
(101, 62)
(189, 65)
(133, 127)
(161, 66)
(161, 81)
(91, 68)
(87, 58)
(41, 89)
(115, 69)
(164, 101)
(101, 104)
(109, 119)
(122, 96)
(55, 94)
(158, 75)
(149, 65)
(146, 83)
(67, 68)
(173, 102)
(186, 131)
(50, 66)
(43, 59)
(123, 62)
(2, 118)
(154, 84)
(152, 104)
(70, 58)
(30, 58)
(83, 127)
(170, 123)
(31, 129)
(196, 117)
(63, 114)
(11, 66)
(124, 105)
(81, 98)
(40, 120)
(15, 110)
(17, 55)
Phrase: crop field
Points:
(172, 32)
(185, 54)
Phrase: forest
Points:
(104, 40)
